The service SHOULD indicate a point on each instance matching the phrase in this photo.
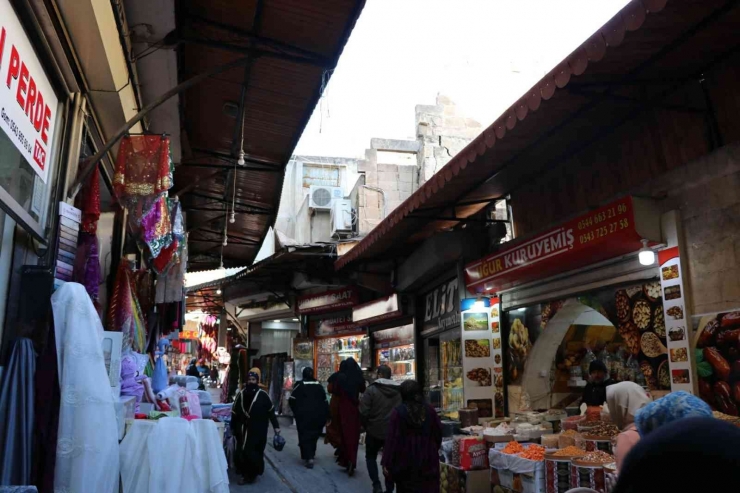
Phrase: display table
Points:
(173, 455)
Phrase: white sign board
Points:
(28, 104)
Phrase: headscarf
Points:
(307, 374)
(413, 401)
(672, 407)
(597, 365)
(706, 446)
(351, 379)
(256, 372)
(624, 399)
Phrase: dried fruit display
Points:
(603, 430)
(570, 451)
(632, 291)
(646, 369)
(480, 375)
(659, 321)
(642, 314)
(651, 345)
(478, 348)
(664, 376)
(675, 312)
(632, 340)
(513, 448)
(598, 457)
(652, 291)
(623, 305)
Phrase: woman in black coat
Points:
(311, 411)
(251, 414)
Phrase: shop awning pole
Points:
(93, 161)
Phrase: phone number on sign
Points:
(602, 216)
(603, 231)
(15, 130)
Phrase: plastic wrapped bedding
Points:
(173, 455)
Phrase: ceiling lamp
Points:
(218, 291)
(646, 256)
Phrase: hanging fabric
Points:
(143, 171)
(16, 415)
(124, 312)
(87, 259)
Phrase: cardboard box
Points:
(455, 480)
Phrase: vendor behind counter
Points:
(594, 394)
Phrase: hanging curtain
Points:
(124, 312)
(16, 415)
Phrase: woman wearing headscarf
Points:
(192, 369)
(686, 456)
(672, 407)
(624, 399)
(411, 450)
(346, 385)
(311, 411)
(250, 415)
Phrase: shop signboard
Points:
(188, 334)
(377, 311)
(608, 232)
(441, 308)
(28, 104)
(680, 357)
(333, 324)
(328, 301)
(397, 336)
(482, 358)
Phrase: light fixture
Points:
(241, 161)
(646, 256)
(226, 241)
(523, 309)
(228, 328)
(296, 320)
(232, 218)
(276, 321)
(218, 291)
(479, 304)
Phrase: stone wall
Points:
(441, 132)
(706, 193)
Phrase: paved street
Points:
(284, 471)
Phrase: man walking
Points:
(375, 410)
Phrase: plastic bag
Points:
(278, 442)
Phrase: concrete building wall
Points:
(390, 173)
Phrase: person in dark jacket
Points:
(411, 452)
(251, 415)
(311, 410)
(376, 407)
(594, 394)
(192, 369)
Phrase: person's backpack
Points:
(278, 442)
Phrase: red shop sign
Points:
(611, 231)
(328, 301)
(333, 324)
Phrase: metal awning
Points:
(293, 47)
(640, 59)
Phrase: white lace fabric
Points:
(87, 444)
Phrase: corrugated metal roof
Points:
(294, 47)
(635, 58)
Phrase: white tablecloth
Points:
(173, 455)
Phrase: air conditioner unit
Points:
(341, 217)
(322, 197)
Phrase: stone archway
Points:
(536, 376)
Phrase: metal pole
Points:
(89, 165)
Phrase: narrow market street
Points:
(285, 473)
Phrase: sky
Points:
(483, 54)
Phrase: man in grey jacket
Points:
(376, 406)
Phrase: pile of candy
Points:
(599, 457)
(569, 433)
(602, 429)
(570, 452)
(534, 452)
(513, 448)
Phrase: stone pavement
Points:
(285, 473)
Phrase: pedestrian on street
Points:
(311, 410)
(681, 448)
(344, 430)
(411, 452)
(250, 415)
(376, 406)
(624, 399)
